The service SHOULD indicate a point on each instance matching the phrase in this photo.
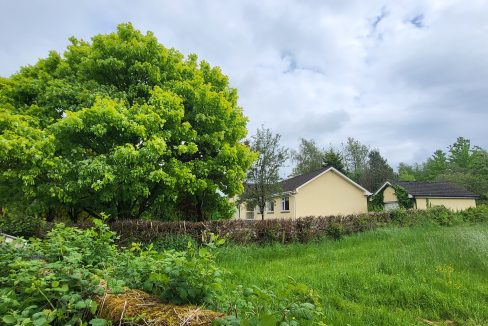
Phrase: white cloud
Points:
(405, 77)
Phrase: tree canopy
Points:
(308, 157)
(462, 163)
(355, 156)
(263, 178)
(121, 125)
(377, 171)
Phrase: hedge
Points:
(250, 231)
(176, 234)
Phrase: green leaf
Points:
(98, 322)
(9, 319)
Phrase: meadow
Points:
(422, 275)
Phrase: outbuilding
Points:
(428, 194)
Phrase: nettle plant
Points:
(57, 279)
(54, 281)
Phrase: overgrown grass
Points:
(392, 276)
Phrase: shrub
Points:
(403, 217)
(189, 276)
(50, 281)
(442, 216)
(335, 231)
(177, 242)
(16, 222)
(54, 280)
(295, 304)
(475, 214)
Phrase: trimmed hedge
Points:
(251, 231)
(174, 235)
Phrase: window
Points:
(270, 206)
(285, 204)
(249, 212)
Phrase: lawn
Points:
(393, 276)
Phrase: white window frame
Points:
(249, 214)
(270, 204)
(284, 200)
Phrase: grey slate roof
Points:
(292, 184)
(435, 189)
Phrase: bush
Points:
(16, 222)
(403, 217)
(175, 276)
(177, 242)
(54, 280)
(442, 216)
(475, 214)
(335, 231)
(295, 304)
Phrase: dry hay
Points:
(135, 307)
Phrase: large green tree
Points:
(121, 125)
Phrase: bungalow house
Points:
(428, 194)
(325, 191)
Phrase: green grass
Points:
(394, 276)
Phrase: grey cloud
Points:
(405, 77)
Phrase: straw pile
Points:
(135, 307)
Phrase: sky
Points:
(406, 77)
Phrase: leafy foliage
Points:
(54, 281)
(376, 202)
(462, 164)
(402, 195)
(122, 125)
(295, 304)
(16, 222)
(263, 179)
(376, 172)
(178, 242)
(309, 157)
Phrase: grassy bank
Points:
(392, 276)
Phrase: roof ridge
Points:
(301, 175)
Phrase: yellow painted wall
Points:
(456, 204)
(330, 194)
(389, 195)
(280, 214)
(271, 215)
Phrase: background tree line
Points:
(463, 164)
(362, 164)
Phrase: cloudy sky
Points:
(407, 77)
